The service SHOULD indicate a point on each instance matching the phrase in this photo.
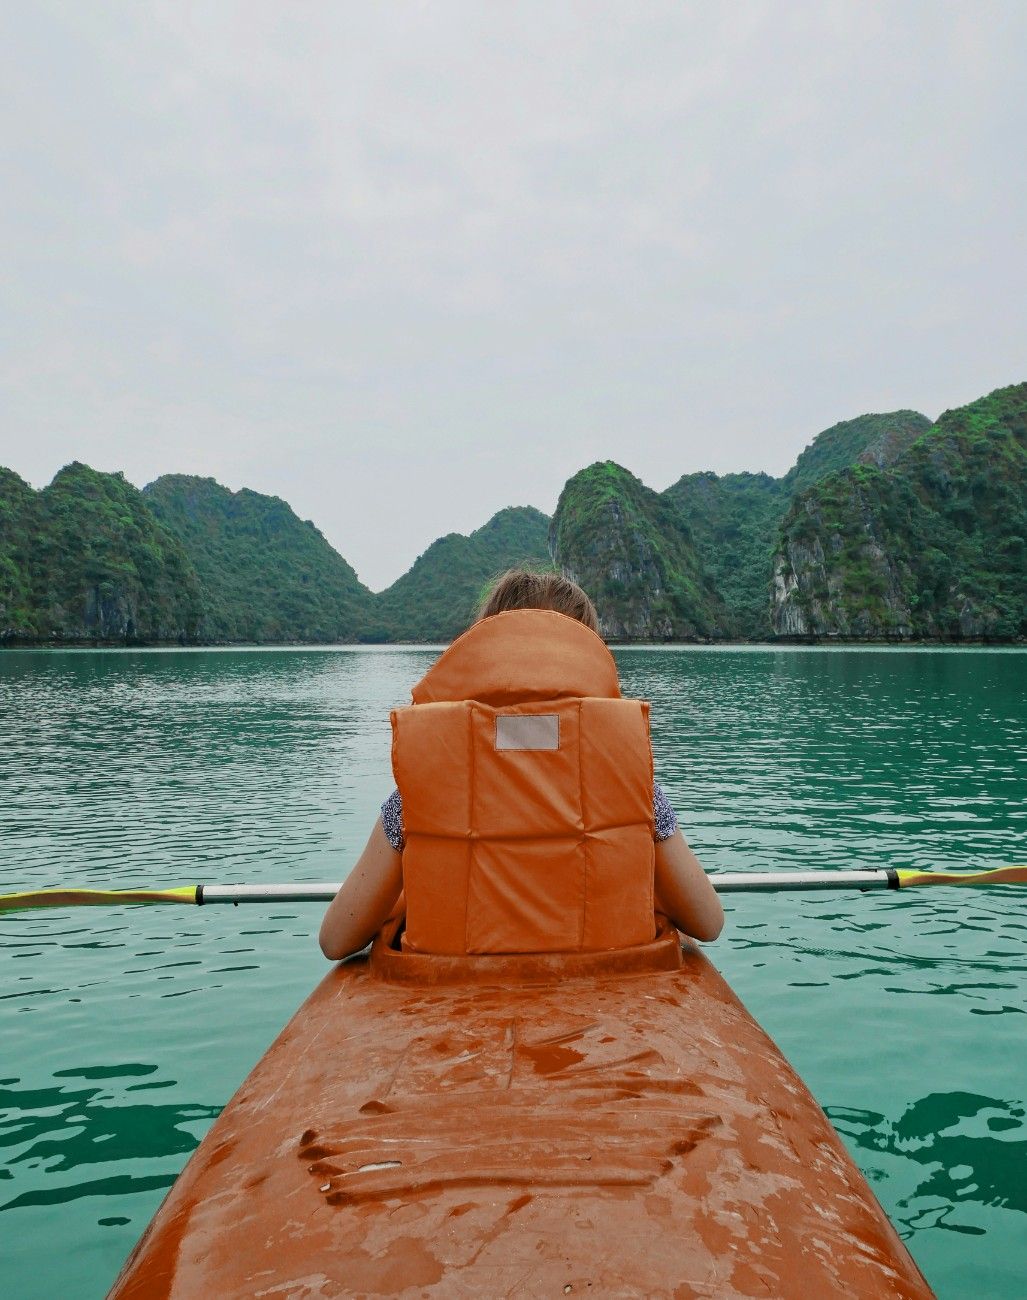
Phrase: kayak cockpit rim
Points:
(393, 965)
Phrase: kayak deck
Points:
(609, 1124)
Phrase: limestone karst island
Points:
(888, 527)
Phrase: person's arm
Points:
(683, 891)
(365, 901)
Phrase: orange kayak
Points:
(607, 1124)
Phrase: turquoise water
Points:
(123, 1031)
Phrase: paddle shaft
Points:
(728, 882)
(724, 882)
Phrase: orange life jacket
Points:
(527, 787)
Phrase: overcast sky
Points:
(406, 263)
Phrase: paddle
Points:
(726, 882)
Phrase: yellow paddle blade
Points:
(94, 897)
(995, 876)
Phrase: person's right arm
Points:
(366, 900)
(683, 890)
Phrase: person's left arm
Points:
(684, 893)
(366, 900)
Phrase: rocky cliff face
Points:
(85, 560)
(735, 518)
(931, 546)
(881, 530)
(636, 558)
(814, 593)
(876, 439)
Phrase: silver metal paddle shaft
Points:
(759, 882)
(296, 893)
(724, 882)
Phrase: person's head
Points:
(529, 589)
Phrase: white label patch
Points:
(528, 731)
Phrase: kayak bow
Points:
(558, 1124)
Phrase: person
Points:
(664, 877)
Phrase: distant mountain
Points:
(18, 530)
(867, 440)
(934, 545)
(435, 599)
(886, 527)
(635, 556)
(90, 558)
(84, 560)
(266, 574)
(735, 518)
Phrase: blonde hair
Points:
(529, 589)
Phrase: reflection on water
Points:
(123, 1031)
(71, 1126)
(974, 1148)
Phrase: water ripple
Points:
(126, 1029)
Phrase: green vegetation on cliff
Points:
(435, 599)
(886, 527)
(867, 440)
(633, 553)
(735, 518)
(18, 530)
(91, 558)
(266, 574)
(933, 546)
(85, 559)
